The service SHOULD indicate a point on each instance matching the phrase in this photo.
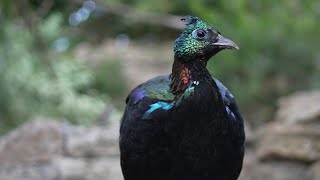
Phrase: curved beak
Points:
(224, 43)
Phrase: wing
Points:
(234, 116)
(143, 143)
(229, 102)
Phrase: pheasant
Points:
(186, 125)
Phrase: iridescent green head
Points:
(200, 40)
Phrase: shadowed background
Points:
(75, 61)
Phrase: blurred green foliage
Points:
(278, 50)
(33, 85)
(278, 54)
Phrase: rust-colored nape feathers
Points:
(185, 75)
(180, 78)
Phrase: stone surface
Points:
(273, 170)
(92, 141)
(287, 146)
(301, 107)
(36, 141)
(289, 142)
(105, 169)
(70, 168)
(250, 135)
(29, 172)
(315, 171)
(89, 168)
(54, 150)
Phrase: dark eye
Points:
(199, 33)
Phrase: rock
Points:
(105, 169)
(301, 107)
(28, 172)
(88, 168)
(295, 135)
(249, 165)
(70, 168)
(315, 171)
(93, 141)
(250, 135)
(289, 142)
(38, 140)
(275, 170)
(48, 150)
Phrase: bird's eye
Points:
(199, 33)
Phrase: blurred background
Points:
(67, 66)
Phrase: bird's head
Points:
(200, 40)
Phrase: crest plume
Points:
(190, 20)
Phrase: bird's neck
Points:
(185, 73)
